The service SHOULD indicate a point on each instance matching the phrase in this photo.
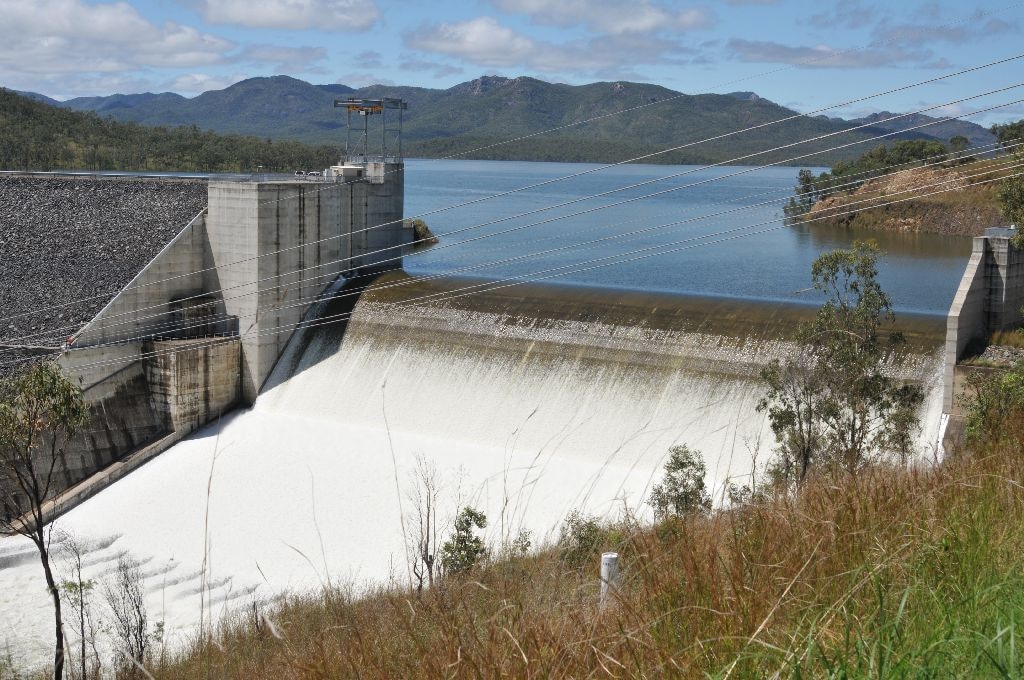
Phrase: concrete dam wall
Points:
(201, 318)
(588, 372)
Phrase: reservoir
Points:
(761, 260)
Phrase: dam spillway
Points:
(595, 370)
(531, 401)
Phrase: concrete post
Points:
(609, 577)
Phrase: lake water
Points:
(747, 253)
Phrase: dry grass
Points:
(966, 211)
(894, 573)
(1011, 338)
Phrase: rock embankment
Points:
(999, 355)
(68, 244)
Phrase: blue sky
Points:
(806, 55)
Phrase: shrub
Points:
(579, 539)
(682, 491)
(464, 549)
(995, 414)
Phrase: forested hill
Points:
(627, 120)
(35, 135)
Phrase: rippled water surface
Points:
(722, 226)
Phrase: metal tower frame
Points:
(372, 107)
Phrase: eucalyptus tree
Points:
(833, 404)
(40, 410)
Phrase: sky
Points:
(805, 55)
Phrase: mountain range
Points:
(602, 122)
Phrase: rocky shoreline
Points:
(69, 244)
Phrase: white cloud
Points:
(916, 34)
(482, 41)
(69, 85)
(851, 15)
(369, 59)
(111, 37)
(196, 83)
(437, 68)
(331, 15)
(610, 16)
(824, 56)
(485, 42)
(358, 79)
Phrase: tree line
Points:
(37, 136)
(847, 176)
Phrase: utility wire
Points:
(631, 200)
(533, 277)
(596, 169)
(171, 327)
(417, 280)
(745, 171)
(305, 281)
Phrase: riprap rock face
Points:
(68, 239)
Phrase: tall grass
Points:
(892, 573)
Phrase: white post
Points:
(609, 576)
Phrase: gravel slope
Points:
(67, 238)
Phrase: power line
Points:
(152, 330)
(597, 169)
(555, 272)
(626, 201)
(175, 326)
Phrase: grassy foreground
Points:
(893, 573)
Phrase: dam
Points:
(287, 473)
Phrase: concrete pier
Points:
(990, 299)
(200, 328)
(276, 245)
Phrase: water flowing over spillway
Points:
(530, 401)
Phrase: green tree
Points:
(959, 144)
(847, 177)
(1011, 197)
(791, 402)
(995, 410)
(578, 538)
(40, 410)
(37, 136)
(832, 404)
(77, 590)
(1009, 133)
(464, 549)
(682, 490)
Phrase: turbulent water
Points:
(530, 402)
